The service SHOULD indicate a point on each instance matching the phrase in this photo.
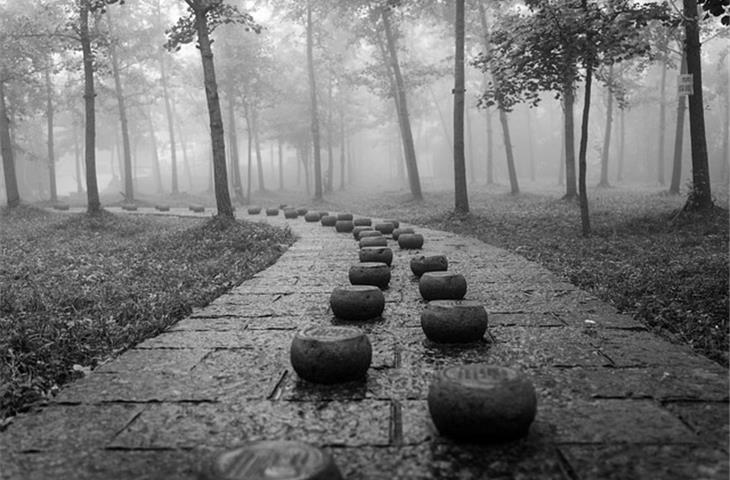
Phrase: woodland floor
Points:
(75, 290)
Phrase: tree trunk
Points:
(281, 164)
(568, 101)
(313, 107)
(343, 160)
(11, 180)
(470, 149)
(92, 190)
(414, 180)
(220, 176)
(170, 125)
(530, 149)
(442, 119)
(621, 144)
(561, 169)
(461, 197)
(233, 143)
(662, 123)
(700, 198)
(49, 118)
(678, 138)
(330, 156)
(725, 172)
(249, 146)
(77, 161)
(121, 103)
(607, 135)
(155, 155)
(257, 145)
(514, 186)
(490, 147)
(582, 193)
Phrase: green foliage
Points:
(75, 290)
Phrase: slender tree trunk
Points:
(582, 193)
(621, 144)
(92, 189)
(490, 147)
(121, 103)
(678, 137)
(50, 141)
(257, 144)
(442, 119)
(222, 196)
(607, 136)
(662, 123)
(514, 185)
(701, 196)
(155, 154)
(725, 172)
(313, 106)
(305, 164)
(170, 126)
(405, 124)
(183, 146)
(330, 156)
(343, 164)
(6, 145)
(249, 146)
(470, 150)
(233, 143)
(77, 160)
(281, 164)
(571, 191)
(461, 197)
(561, 169)
(530, 149)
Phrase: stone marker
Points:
(357, 302)
(271, 460)
(302, 211)
(330, 354)
(398, 231)
(290, 213)
(328, 221)
(312, 217)
(369, 233)
(482, 402)
(356, 230)
(373, 242)
(410, 241)
(60, 206)
(442, 286)
(272, 212)
(370, 273)
(362, 222)
(386, 228)
(196, 208)
(454, 321)
(421, 264)
(344, 216)
(162, 208)
(130, 207)
(344, 226)
(254, 210)
(376, 254)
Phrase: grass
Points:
(670, 271)
(75, 289)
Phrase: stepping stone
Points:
(370, 273)
(290, 213)
(373, 242)
(130, 207)
(60, 206)
(196, 208)
(344, 226)
(376, 254)
(312, 217)
(369, 233)
(357, 302)
(254, 210)
(328, 221)
(362, 222)
(356, 230)
(272, 212)
(398, 231)
(277, 459)
(421, 264)
(480, 402)
(386, 228)
(162, 208)
(410, 241)
(344, 216)
(454, 321)
(442, 286)
(331, 354)
(302, 211)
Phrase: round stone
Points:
(373, 242)
(302, 211)
(395, 223)
(454, 321)
(442, 286)
(162, 208)
(398, 231)
(369, 233)
(362, 222)
(254, 210)
(410, 241)
(290, 213)
(271, 460)
(357, 302)
(421, 264)
(376, 254)
(344, 216)
(370, 273)
(328, 221)
(481, 402)
(272, 212)
(344, 226)
(386, 228)
(356, 230)
(196, 208)
(311, 217)
(331, 354)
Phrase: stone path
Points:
(615, 401)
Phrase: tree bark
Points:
(570, 179)
(77, 160)
(530, 149)
(220, 176)
(343, 160)
(678, 137)
(11, 180)
(662, 123)
(700, 198)
(249, 146)
(121, 104)
(155, 154)
(50, 140)
(621, 144)
(725, 172)
(514, 185)
(313, 107)
(461, 197)
(281, 164)
(257, 144)
(414, 180)
(170, 125)
(470, 147)
(605, 151)
(92, 190)
(582, 193)
(330, 156)
(233, 143)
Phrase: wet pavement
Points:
(614, 401)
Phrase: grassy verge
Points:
(669, 271)
(75, 290)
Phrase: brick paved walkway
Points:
(614, 400)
